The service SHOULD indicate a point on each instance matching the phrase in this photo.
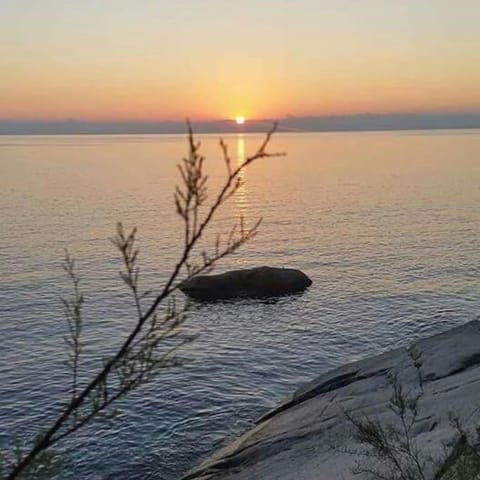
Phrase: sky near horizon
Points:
(206, 59)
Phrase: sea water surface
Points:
(386, 224)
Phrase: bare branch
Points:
(140, 356)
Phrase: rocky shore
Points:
(311, 435)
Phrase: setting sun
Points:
(240, 120)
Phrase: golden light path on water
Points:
(241, 200)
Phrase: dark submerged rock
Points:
(254, 282)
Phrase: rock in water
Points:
(254, 282)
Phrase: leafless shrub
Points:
(152, 343)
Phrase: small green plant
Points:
(395, 455)
(389, 451)
(463, 463)
(156, 337)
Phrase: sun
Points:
(240, 120)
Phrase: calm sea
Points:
(386, 224)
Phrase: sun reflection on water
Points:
(241, 201)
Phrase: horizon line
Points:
(289, 123)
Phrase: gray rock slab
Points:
(308, 436)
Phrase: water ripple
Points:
(391, 241)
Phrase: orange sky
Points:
(146, 59)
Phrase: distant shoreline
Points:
(246, 131)
(99, 134)
(351, 123)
